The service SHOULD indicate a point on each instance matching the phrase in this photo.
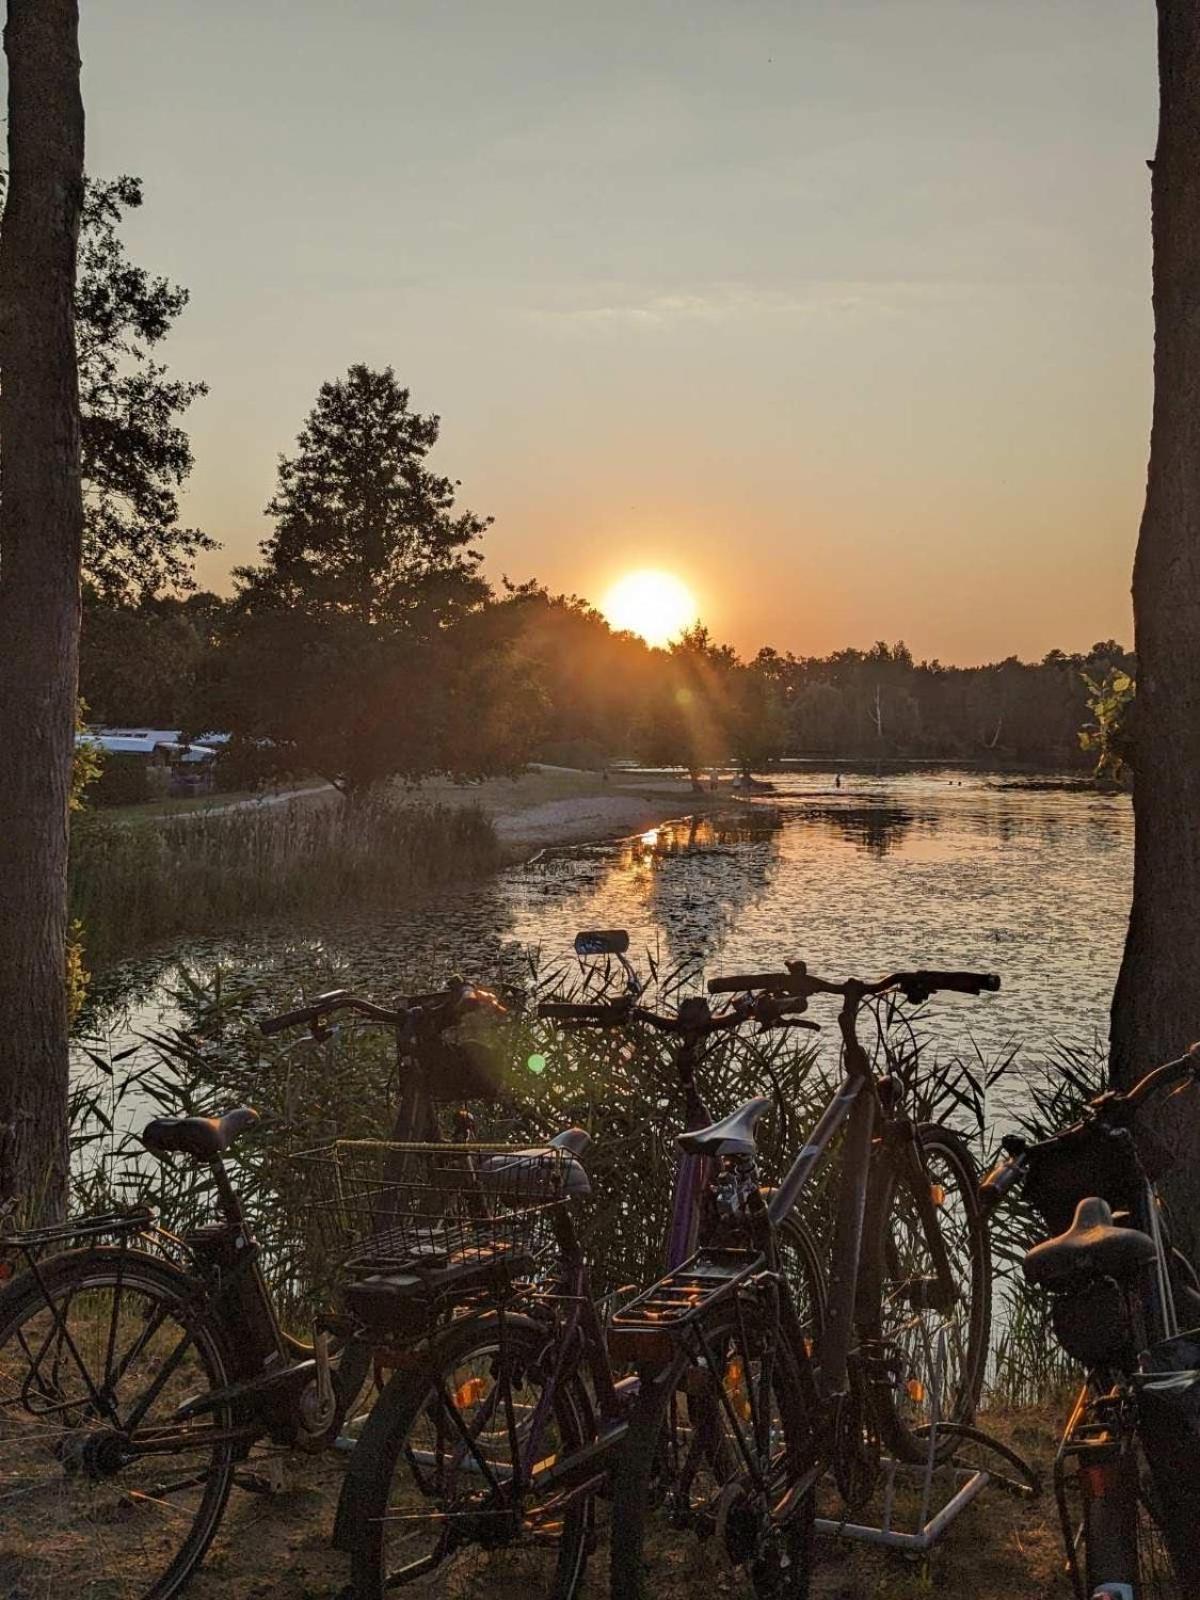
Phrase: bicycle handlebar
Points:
(603, 1015)
(915, 986)
(463, 996)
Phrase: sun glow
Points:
(655, 604)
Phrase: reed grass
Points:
(133, 885)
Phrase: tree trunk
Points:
(1156, 1007)
(41, 517)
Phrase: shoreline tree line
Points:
(366, 645)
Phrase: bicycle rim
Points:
(909, 1336)
(705, 1491)
(440, 1516)
(88, 1373)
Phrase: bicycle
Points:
(1126, 1471)
(139, 1367)
(523, 1364)
(799, 1407)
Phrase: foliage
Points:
(358, 648)
(136, 883)
(362, 527)
(139, 664)
(136, 456)
(122, 782)
(1112, 700)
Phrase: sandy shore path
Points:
(561, 805)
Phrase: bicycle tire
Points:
(771, 1556)
(59, 1458)
(905, 1333)
(407, 1420)
(800, 1264)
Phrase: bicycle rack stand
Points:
(969, 1482)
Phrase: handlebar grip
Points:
(996, 1184)
(958, 982)
(779, 981)
(288, 1019)
(566, 1011)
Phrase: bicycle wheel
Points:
(800, 1264)
(707, 1490)
(433, 1501)
(909, 1333)
(89, 1372)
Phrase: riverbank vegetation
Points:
(135, 884)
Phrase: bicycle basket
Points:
(1082, 1162)
(381, 1207)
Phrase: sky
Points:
(837, 309)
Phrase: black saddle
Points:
(202, 1137)
(732, 1136)
(1090, 1247)
(532, 1174)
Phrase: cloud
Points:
(718, 304)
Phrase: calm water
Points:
(937, 867)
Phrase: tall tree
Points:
(1156, 1006)
(135, 454)
(350, 652)
(41, 530)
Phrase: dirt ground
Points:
(276, 1547)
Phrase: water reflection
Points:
(919, 868)
(873, 828)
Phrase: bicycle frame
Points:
(863, 1105)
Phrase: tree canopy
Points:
(357, 647)
(136, 455)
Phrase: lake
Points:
(856, 872)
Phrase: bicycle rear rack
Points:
(104, 1225)
(643, 1328)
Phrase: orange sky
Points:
(837, 308)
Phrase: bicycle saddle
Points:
(732, 1136)
(533, 1174)
(202, 1137)
(1091, 1245)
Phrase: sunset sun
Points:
(655, 604)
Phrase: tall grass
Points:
(136, 884)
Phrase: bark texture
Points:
(1156, 1007)
(41, 519)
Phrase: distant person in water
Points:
(837, 780)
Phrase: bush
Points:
(122, 782)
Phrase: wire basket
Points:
(382, 1207)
